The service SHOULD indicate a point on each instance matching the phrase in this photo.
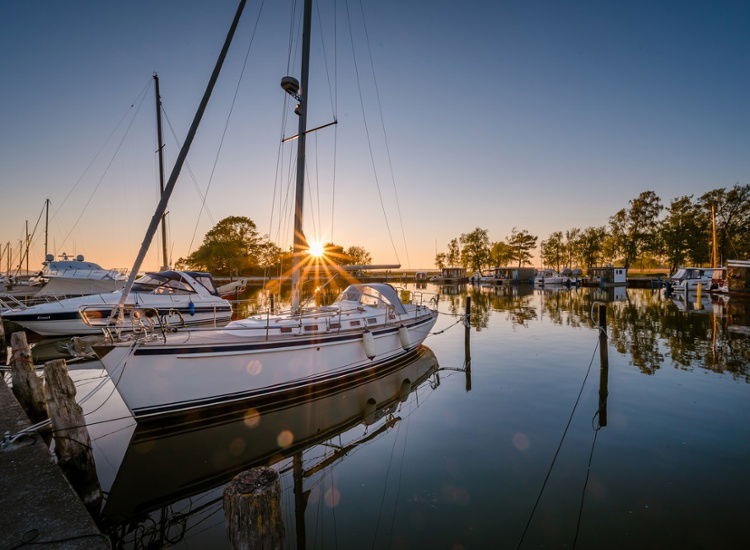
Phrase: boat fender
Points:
(369, 341)
(403, 335)
(405, 390)
(191, 308)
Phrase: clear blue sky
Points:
(539, 115)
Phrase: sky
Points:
(535, 115)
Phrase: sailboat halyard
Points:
(265, 357)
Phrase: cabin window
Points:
(372, 320)
(311, 328)
(286, 329)
(354, 323)
(335, 325)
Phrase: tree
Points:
(454, 253)
(476, 249)
(358, 255)
(732, 219)
(572, 254)
(553, 250)
(591, 243)
(501, 254)
(522, 243)
(683, 233)
(634, 230)
(440, 260)
(233, 244)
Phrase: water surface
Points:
(456, 457)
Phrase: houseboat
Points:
(453, 275)
(514, 275)
(607, 276)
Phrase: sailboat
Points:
(266, 357)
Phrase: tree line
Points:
(645, 233)
(235, 247)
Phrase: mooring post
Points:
(603, 317)
(72, 441)
(2, 342)
(252, 510)
(603, 378)
(27, 387)
(467, 344)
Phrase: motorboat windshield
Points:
(376, 295)
(680, 274)
(165, 282)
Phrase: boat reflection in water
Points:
(172, 475)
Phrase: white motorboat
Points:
(480, 278)
(186, 298)
(550, 277)
(68, 276)
(688, 278)
(266, 356)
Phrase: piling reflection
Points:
(169, 484)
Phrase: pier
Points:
(40, 508)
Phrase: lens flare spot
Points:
(285, 438)
(254, 367)
(252, 418)
(332, 497)
(521, 441)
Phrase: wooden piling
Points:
(72, 441)
(603, 317)
(252, 510)
(27, 387)
(2, 342)
(467, 344)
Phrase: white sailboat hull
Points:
(158, 379)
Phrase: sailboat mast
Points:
(46, 230)
(161, 208)
(714, 251)
(300, 243)
(160, 139)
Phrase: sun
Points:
(316, 250)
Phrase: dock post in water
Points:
(72, 441)
(27, 386)
(467, 344)
(603, 317)
(2, 342)
(252, 510)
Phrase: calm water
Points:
(455, 459)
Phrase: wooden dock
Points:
(39, 507)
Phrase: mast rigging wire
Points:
(106, 170)
(226, 124)
(385, 134)
(367, 133)
(187, 165)
(99, 152)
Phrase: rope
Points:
(586, 482)
(557, 451)
(367, 133)
(226, 125)
(461, 319)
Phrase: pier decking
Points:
(39, 507)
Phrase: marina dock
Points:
(40, 508)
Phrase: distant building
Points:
(608, 276)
